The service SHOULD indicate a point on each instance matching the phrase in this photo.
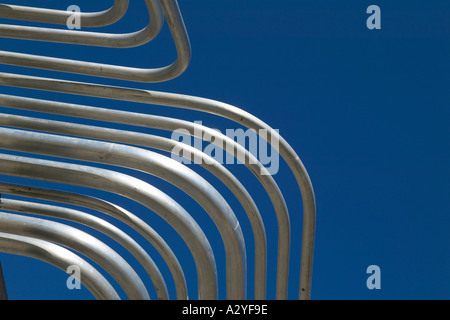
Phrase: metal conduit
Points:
(61, 258)
(149, 161)
(98, 224)
(112, 210)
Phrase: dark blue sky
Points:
(366, 110)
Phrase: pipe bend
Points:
(61, 258)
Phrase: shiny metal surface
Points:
(113, 210)
(130, 187)
(88, 19)
(97, 224)
(61, 258)
(81, 242)
(41, 137)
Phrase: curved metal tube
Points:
(209, 106)
(111, 40)
(130, 187)
(79, 241)
(98, 224)
(61, 258)
(88, 19)
(165, 123)
(155, 164)
(179, 34)
(151, 141)
(114, 211)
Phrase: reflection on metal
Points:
(105, 153)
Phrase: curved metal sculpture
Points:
(38, 138)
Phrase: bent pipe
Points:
(97, 224)
(61, 258)
(87, 19)
(155, 164)
(130, 187)
(179, 35)
(209, 106)
(165, 123)
(114, 211)
(81, 242)
(165, 144)
(111, 40)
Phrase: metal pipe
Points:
(179, 35)
(114, 211)
(98, 224)
(209, 106)
(130, 187)
(81, 242)
(61, 258)
(155, 164)
(165, 123)
(88, 19)
(99, 39)
(151, 141)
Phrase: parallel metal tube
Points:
(153, 163)
(151, 141)
(88, 19)
(209, 106)
(179, 34)
(99, 39)
(61, 258)
(194, 129)
(98, 224)
(130, 187)
(83, 243)
(112, 210)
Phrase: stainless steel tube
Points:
(180, 37)
(83, 243)
(98, 224)
(88, 19)
(61, 258)
(99, 39)
(114, 211)
(165, 123)
(209, 106)
(153, 163)
(130, 187)
(151, 141)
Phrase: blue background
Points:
(366, 110)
